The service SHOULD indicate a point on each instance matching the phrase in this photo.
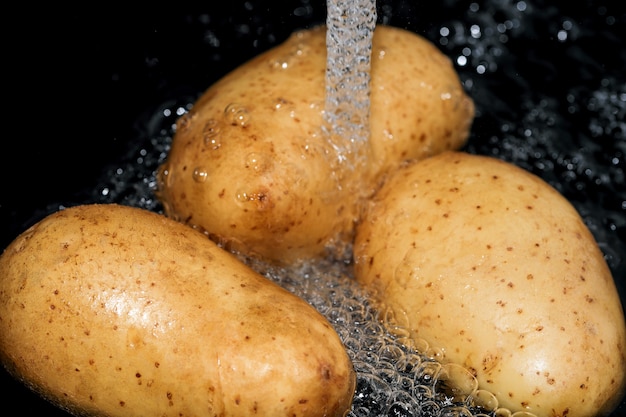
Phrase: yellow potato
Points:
(492, 266)
(109, 310)
(250, 166)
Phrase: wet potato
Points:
(108, 310)
(489, 264)
(250, 166)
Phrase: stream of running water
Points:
(350, 29)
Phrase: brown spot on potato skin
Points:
(326, 372)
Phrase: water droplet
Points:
(281, 103)
(243, 197)
(200, 175)
(312, 149)
(163, 177)
(260, 198)
(210, 133)
(407, 271)
(297, 50)
(184, 121)
(280, 63)
(237, 115)
(435, 353)
(258, 162)
(402, 274)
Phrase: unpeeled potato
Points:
(492, 266)
(250, 165)
(109, 310)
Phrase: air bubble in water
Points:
(485, 400)
(428, 372)
(456, 382)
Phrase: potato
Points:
(110, 310)
(492, 266)
(250, 165)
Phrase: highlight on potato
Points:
(109, 310)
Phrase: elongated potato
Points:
(114, 311)
(250, 165)
(493, 266)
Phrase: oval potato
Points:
(250, 166)
(493, 266)
(115, 311)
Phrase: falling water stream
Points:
(350, 29)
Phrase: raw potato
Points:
(490, 264)
(115, 311)
(250, 166)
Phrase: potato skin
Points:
(110, 310)
(250, 165)
(495, 267)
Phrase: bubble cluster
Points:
(392, 377)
